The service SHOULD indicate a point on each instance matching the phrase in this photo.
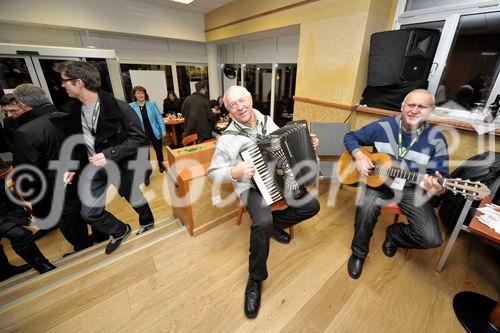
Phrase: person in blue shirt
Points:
(151, 121)
(418, 147)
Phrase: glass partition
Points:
(284, 92)
(188, 75)
(127, 83)
(258, 80)
(13, 72)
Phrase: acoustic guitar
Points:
(348, 174)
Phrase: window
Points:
(13, 72)
(464, 75)
(473, 62)
(425, 4)
(258, 79)
(283, 93)
(188, 75)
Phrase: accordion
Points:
(285, 162)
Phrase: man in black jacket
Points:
(13, 218)
(36, 143)
(10, 109)
(197, 113)
(112, 134)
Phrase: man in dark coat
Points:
(112, 133)
(10, 109)
(197, 113)
(37, 142)
(13, 218)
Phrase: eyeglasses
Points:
(66, 80)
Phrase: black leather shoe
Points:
(13, 270)
(115, 242)
(281, 236)
(355, 266)
(388, 247)
(252, 298)
(42, 265)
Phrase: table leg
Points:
(454, 235)
(174, 135)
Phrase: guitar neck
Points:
(399, 173)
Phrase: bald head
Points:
(416, 108)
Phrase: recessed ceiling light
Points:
(183, 1)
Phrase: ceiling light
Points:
(183, 1)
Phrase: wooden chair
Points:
(274, 206)
(6, 175)
(190, 140)
(394, 209)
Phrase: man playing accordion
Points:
(247, 127)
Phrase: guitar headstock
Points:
(467, 188)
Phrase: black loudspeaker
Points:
(391, 96)
(401, 56)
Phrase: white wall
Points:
(273, 50)
(119, 16)
(131, 49)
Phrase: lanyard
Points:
(93, 120)
(404, 150)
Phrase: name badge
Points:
(398, 184)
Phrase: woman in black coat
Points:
(171, 104)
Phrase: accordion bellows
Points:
(286, 162)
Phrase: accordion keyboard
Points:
(262, 177)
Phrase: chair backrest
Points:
(331, 137)
(190, 140)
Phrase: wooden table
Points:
(474, 227)
(172, 123)
(193, 196)
(480, 228)
(222, 125)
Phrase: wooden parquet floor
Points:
(196, 284)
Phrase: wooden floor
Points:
(196, 284)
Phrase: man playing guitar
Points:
(418, 147)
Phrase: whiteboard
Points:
(154, 82)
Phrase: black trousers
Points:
(422, 232)
(93, 203)
(157, 146)
(20, 238)
(263, 220)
